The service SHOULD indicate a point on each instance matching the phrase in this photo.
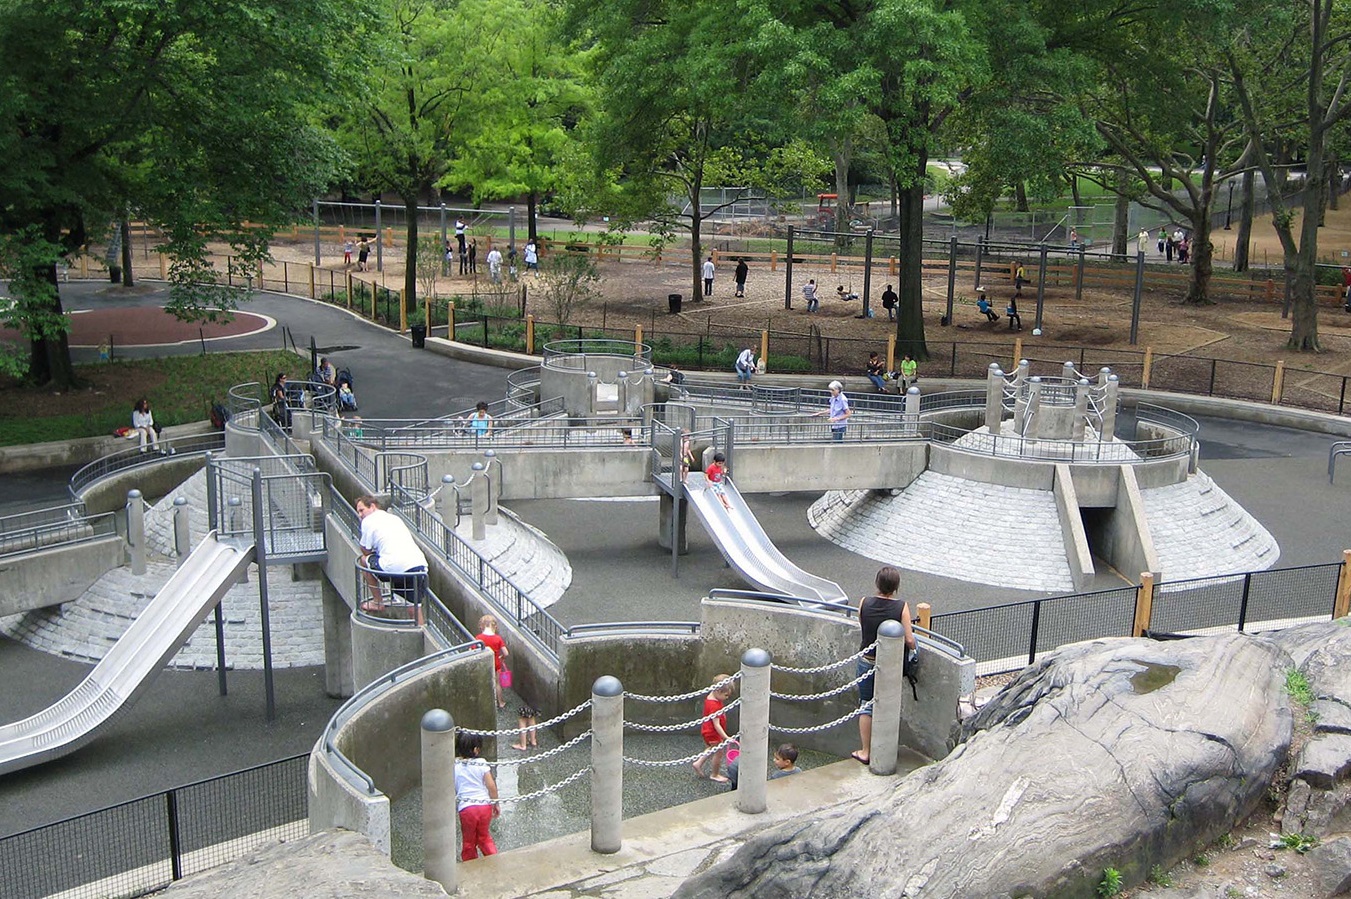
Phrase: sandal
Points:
(858, 758)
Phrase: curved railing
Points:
(132, 457)
(572, 355)
(244, 402)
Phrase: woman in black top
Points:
(872, 611)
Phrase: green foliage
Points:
(567, 278)
(1110, 885)
(1297, 687)
(1159, 875)
(1299, 842)
(1201, 860)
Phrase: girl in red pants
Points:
(476, 795)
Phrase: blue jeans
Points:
(865, 686)
(837, 434)
(878, 382)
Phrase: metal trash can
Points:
(673, 303)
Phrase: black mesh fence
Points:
(1197, 604)
(993, 634)
(142, 846)
(1284, 593)
(1085, 616)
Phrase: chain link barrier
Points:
(865, 709)
(704, 691)
(517, 731)
(531, 759)
(807, 697)
(687, 760)
(552, 788)
(831, 666)
(675, 728)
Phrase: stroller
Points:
(347, 399)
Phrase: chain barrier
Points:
(674, 728)
(517, 731)
(807, 697)
(831, 666)
(687, 760)
(865, 709)
(704, 691)
(552, 788)
(531, 759)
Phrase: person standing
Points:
(363, 253)
(1074, 239)
(1163, 239)
(495, 265)
(1142, 242)
(388, 553)
(745, 367)
(809, 294)
(480, 422)
(838, 411)
(475, 797)
(532, 258)
(714, 729)
(1019, 279)
(890, 302)
(460, 241)
(909, 373)
(347, 247)
(1346, 286)
(876, 369)
(742, 271)
(473, 257)
(872, 611)
(489, 637)
(708, 277)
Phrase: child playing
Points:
(785, 763)
(525, 722)
(686, 454)
(476, 797)
(715, 473)
(714, 730)
(488, 636)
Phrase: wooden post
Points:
(1278, 382)
(313, 295)
(1341, 605)
(84, 264)
(893, 267)
(349, 290)
(764, 347)
(773, 260)
(163, 268)
(1149, 364)
(374, 288)
(1017, 351)
(530, 335)
(389, 237)
(637, 340)
(342, 234)
(834, 259)
(1144, 604)
(450, 322)
(925, 612)
(403, 308)
(427, 311)
(1271, 290)
(891, 351)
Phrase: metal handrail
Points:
(123, 460)
(53, 534)
(1340, 448)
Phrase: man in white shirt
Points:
(495, 265)
(388, 550)
(809, 294)
(745, 367)
(708, 277)
(532, 258)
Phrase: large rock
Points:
(334, 864)
(1115, 753)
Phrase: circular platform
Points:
(130, 326)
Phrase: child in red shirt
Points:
(714, 730)
(715, 472)
(489, 637)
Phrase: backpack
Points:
(219, 416)
(911, 672)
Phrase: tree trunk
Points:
(410, 206)
(532, 216)
(895, 195)
(841, 157)
(126, 253)
(910, 285)
(1020, 195)
(1244, 239)
(1202, 259)
(1074, 191)
(1121, 215)
(696, 240)
(1334, 182)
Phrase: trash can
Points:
(673, 302)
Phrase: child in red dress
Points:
(714, 730)
(489, 637)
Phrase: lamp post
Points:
(1229, 212)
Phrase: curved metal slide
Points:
(129, 667)
(747, 547)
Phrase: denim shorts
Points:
(865, 686)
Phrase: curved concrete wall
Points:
(378, 648)
(154, 480)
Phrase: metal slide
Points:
(142, 652)
(747, 547)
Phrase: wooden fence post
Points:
(1341, 605)
(349, 290)
(1149, 364)
(893, 268)
(1278, 382)
(1017, 351)
(163, 267)
(1144, 604)
(773, 260)
(891, 351)
(530, 335)
(637, 340)
(764, 348)
(403, 309)
(450, 322)
(834, 260)
(925, 612)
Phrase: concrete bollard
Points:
(591, 384)
(607, 765)
(622, 392)
(182, 534)
(447, 500)
(754, 761)
(888, 690)
(478, 501)
(1080, 425)
(912, 410)
(494, 485)
(1109, 402)
(440, 847)
(994, 398)
(136, 530)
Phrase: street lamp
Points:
(1229, 212)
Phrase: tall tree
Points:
(196, 114)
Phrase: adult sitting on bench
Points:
(389, 554)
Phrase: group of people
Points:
(905, 375)
(708, 271)
(1169, 245)
(363, 251)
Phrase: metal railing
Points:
(293, 498)
(571, 355)
(49, 528)
(142, 846)
(1266, 599)
(132, 457)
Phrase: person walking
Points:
(714, 729)
(708, 277)
(475, 797)
(809, 294)
(473, 257)
(495, 265)
(532, 258)
(460, 241)
(489, 637)
(872, 611)
(347, 247)
(742, 271)
(480, 422)
(890, 302)
(838, 411)
(1142, 242)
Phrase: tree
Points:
(195, 114)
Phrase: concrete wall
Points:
(70, 453)
(1121, 535)
(818, 466)
(155, 479)
(990, 469)
(334, 802)
(652, 664)
(1067, 503)
(378, 648)
(556, 473)
(59, 574)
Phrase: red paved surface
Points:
(147, 325)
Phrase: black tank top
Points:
(872, 611)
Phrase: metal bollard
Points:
(888, 691)
(182, 534)
(136, 530)
(440, 845)
(607, 765)
(447, 500)
(478, 501)
(622, 393)
(753, 764)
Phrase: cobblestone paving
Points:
(1199, 531)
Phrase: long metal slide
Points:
(131, 665)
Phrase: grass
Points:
(180, 389)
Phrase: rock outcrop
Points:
(1113, 753)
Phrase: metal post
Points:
(136, 531)
(980, 260)
(754, 760)
(212, 498)
(888, 695)
(219, 622)
(264, 612)
(440, 848)
(182, 536)
(478, 500)
(511, 228)
(494, 485)
(622, 393)
(445, 263)
(788, 273)
(1135, 299)
(867, 273)
(1079, 276)
(1041, 286)
(175, 840)
(316, 231)
(379, 242)
(952, 274)
(1035, 630)
(1243, 606)
(607, 765)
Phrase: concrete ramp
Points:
(131, 665)
(747, 547)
